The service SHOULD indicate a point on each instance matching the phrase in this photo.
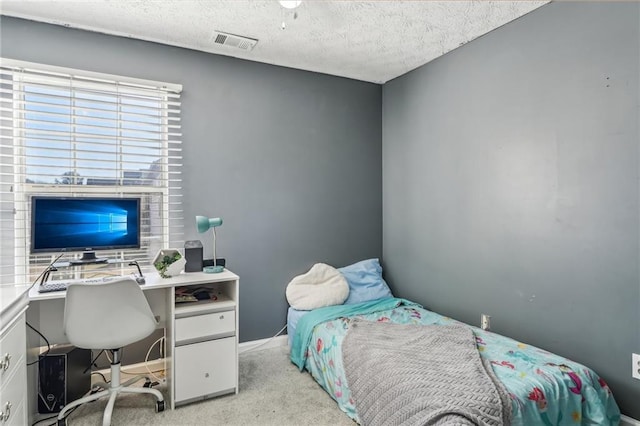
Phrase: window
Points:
(74, 133)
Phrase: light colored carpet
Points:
(272, 392)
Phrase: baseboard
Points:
(158, 364)
(138, 369)
(628, 421)
(268, 343)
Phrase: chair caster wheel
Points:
(62, 422)
(159, 406)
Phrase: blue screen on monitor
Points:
(84, 224)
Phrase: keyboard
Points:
(52, 286)
(62, 285)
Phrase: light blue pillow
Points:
(365, 281)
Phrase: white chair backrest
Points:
(107, 315)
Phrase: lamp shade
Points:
(290, 4)
(203, 223)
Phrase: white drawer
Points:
(18, 415)
(13, 346)
(14, 393)
(205, 369)
(199, 327)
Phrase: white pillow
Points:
(322, 286)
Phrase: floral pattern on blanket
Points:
(546, 389)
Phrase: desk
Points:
(201, 344)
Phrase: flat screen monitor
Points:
(84, 224)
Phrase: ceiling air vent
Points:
(232, 40)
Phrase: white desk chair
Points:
(109, 316)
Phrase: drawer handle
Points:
(4, 415)
(4, 364)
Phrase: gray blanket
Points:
(421, 375)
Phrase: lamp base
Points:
(213, 269)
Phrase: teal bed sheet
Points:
(545, 389)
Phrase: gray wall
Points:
(291, 160)
(510, 185)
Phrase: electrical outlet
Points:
(485, 322)
(635, 361)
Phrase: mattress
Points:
(545, 388)
(293, 316)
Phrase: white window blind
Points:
(71, 133)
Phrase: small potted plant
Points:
(169, 262)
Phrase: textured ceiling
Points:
(373, 41)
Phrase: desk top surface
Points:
(153, 281)
(12, 300)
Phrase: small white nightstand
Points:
(205, 341)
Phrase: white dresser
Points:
(13, 366)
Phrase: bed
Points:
(541, 388)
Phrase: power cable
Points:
(46, 341)
(265, 342)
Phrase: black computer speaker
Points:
(193, 256)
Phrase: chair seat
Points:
(107, 315)
(122, 329)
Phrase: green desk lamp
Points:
(203, 224)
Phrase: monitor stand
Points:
(88, 257)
